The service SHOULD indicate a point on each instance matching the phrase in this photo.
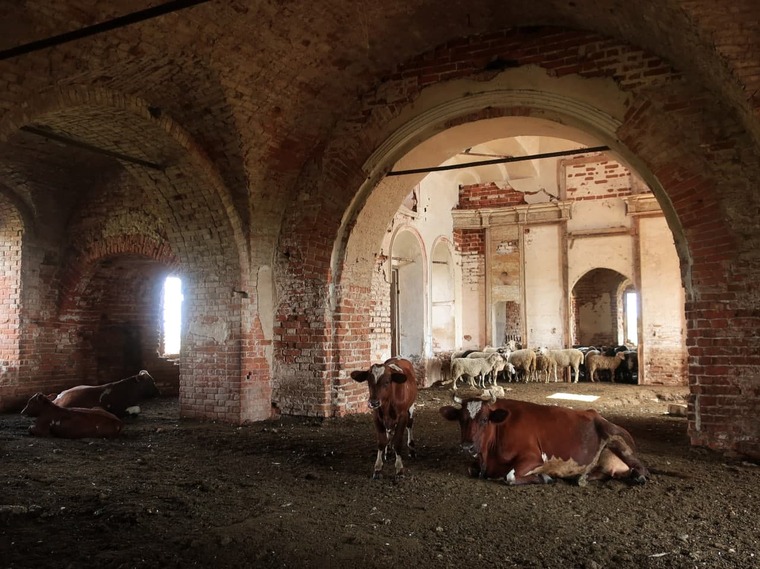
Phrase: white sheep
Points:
(595, 361)
(497, 368)
(568, 357)
(524, 360)
(474, 367)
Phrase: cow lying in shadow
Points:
(54, 421)
(118, 397)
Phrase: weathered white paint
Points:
(663, 325)
(612, 252)
(443, 298)
(412, 297)
(265, 292)
(544, 297)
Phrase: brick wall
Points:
(11, 236)
(476, 196)
(691, 143)
(586, 176)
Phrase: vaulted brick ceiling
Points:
(259, 86)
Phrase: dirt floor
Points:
(297, 493)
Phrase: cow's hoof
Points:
(377, 475)
(582, 480)
(473, 471)
(412, 453)
(546, 479)
(639, 479)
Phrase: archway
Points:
(408, 295)
(596, 310)
(442, 299)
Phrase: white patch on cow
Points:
(473, 407)
(411, 411)
(377, 371)
(134, 410)
(379, 461)
(510, 477)
(54, 423)
(543, 456)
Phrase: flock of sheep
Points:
(524, 364)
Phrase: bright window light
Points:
(573, 397)
(632, 317)
(172, 315)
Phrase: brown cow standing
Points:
(528, 443)
(392, 392)
(74, 423)
(119, 397)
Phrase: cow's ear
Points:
(498, 415)
(450, 413)
(398, 377)
(359, 376)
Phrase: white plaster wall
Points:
(610, 252)
(443, 296)
(437, 195)
(598, 214)
(544, 299)
(663, 326)
(473, 305)
(411, 294)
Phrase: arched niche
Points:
(407, 295)
(442, 298)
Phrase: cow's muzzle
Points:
(373, 403)
(469, 448)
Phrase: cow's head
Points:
(147, 385)
(36, 405)
(379, 378)
(475, 416)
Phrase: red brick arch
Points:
(683, 142)
(200, 230)
(79, 270)
(72, 103)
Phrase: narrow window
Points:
(632, 318)
(172, 302)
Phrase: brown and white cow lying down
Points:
(392, 392)
(119, 397)
(75, 423)
(528, 443)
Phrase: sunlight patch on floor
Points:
(573, 396)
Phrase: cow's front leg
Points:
(382, 445)
(410, 434)
(40, 429)
(398, 440)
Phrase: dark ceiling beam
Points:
(109, 25)
(92, 148)
(504, 160)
